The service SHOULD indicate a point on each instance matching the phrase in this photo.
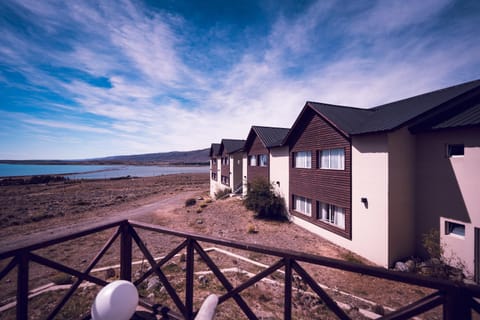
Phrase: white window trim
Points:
(326, 159)
(302, 205)
(263, 164)
(450, 231)
(254, 162)
(332, 215)
(303, 159)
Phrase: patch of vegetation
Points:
(431, 243)
(262, 199)
(351, 257)
(190, 202)
(62, 278)
(251, 228)
(222, 194)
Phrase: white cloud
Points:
(159, 100)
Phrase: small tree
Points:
(432, 244)
(262, 199)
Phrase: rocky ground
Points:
(161, 201)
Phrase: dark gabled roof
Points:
(269, 136)
(345, 119)
(352, 121)
(395, 114)
(231, 145)
(214, 149)
(469, 117)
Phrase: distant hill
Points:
(177, 157)
(197, 157)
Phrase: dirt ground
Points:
(63, 207)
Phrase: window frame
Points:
(455, 229)
(453, 150)
(306, 160)
(306, 205)
(262, 163)
(330, 166)
(332, 214)
(250, 158)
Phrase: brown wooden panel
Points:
(256, 172)
(324, 185)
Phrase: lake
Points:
(95, 171)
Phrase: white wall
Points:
(279, 171)
(245, 173)
(401, 195)
(370, 180)
(215, 185)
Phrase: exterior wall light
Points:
(365, 202)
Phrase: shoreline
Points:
(112, 168)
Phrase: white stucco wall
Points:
(215, 185)
(401, 195)
(370, 180)
(245, 173)
(279, 171)
(449, 190)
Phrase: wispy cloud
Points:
(145, 80)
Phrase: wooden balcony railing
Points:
(458, 300)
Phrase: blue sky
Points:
(83, 79)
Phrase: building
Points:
(375, 180)
(226, 166)
(266, 157)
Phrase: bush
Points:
(262, 199)
(190, 202)
(431, 243)
(222, 194)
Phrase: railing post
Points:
(457, 304)
(125, 252)
(288, 290)
(189, 279)
(22, 286)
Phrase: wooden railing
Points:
(458, 300)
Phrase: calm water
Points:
(95, 171)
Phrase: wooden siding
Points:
(256, 172)
(225, 168)
(321, 185)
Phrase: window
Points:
(225, 161)
(302, 205)
(332, 159)
(214, 176)
(262, 159)
(226, 180)
(252, 160)
(454, 228)
(455, 150)
(302, 159)
(331, 214)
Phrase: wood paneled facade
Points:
(257, 172)
(225, 168)
(312, 133)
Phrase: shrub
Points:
(262, 199)
(190, 202)
(222, 194)
(431, 243)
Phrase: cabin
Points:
(228, 156)
(214, 168)
(266, 157)
(376, 180)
